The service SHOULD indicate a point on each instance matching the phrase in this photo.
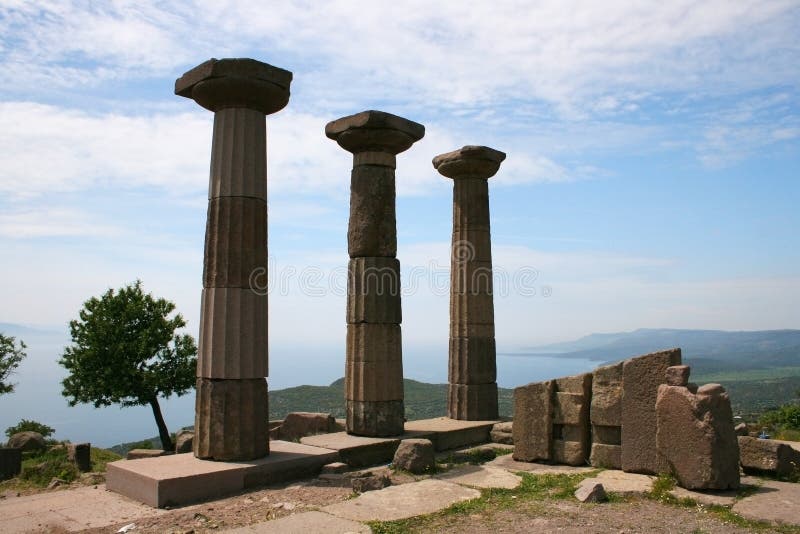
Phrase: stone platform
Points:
(453, 433)
(446, 434)
(181, 478)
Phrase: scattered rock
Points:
(298, 425)
(741, 429)
(184, 441)
(415, 455)
(370, 483)
(591, 492)
(334, 468)
(503, 433)
(27, 441)
(768, 456)
(56, 482)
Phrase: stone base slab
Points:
(181, 478)
(360, 451)
(452, 433)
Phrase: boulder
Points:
(741, 429)
(184, 441)
(695, 437)
(298, 425)
(768, 456)
(415, 455)
(502, 433)
(81, 455)
(10, 462)
(591, 492)
(371, 483)
(27, 441)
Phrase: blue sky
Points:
(651, 179)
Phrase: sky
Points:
(651, 178)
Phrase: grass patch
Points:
(533, 488)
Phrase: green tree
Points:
(125, 351)
(10, 356)
(30, 426)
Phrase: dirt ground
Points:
(633, 516)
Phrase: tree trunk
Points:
(163, 433)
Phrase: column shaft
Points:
(231, 407)
(373, 362)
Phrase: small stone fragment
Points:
(371, 483)
(591, 492)
(415, 455)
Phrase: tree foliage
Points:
(11, 355)
(30, 426)
(125, 351)
(783, 418)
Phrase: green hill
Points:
(422, 400)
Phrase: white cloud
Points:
(579, 56)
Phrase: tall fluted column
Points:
(231, 408)
(374, 363)
(472, 370)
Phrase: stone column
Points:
(472, 372)
(374, 364)
(231, 413)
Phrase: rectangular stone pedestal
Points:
(361, 451)
(452, 433)
(182, 478)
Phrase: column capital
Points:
(469, 162)
(374, 131)
(236, 83)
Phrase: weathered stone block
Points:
(570, 409)
(533, 415)
(233, 334)
(373, 291)
(678, 375)
(236, 243)
(696, 438)
(10, 462)
(606, 456)
(375, 418)
(759, 456)
(231, 419)
(372, 228)
(415, 455)
(472, 360)
(609, 435)
(374, 381)
(470, 300)
(641, 377)
(502, 433)
(569, 452)
(606, 407)
(373, 342)
(472, 402)
(469, 162)
(297, 425)
(81, 455)
(578, 384)
(236, 171)
(467, 329)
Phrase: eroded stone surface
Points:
(696, 437)
(641, 377)
(533, 415)
(768, 456)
